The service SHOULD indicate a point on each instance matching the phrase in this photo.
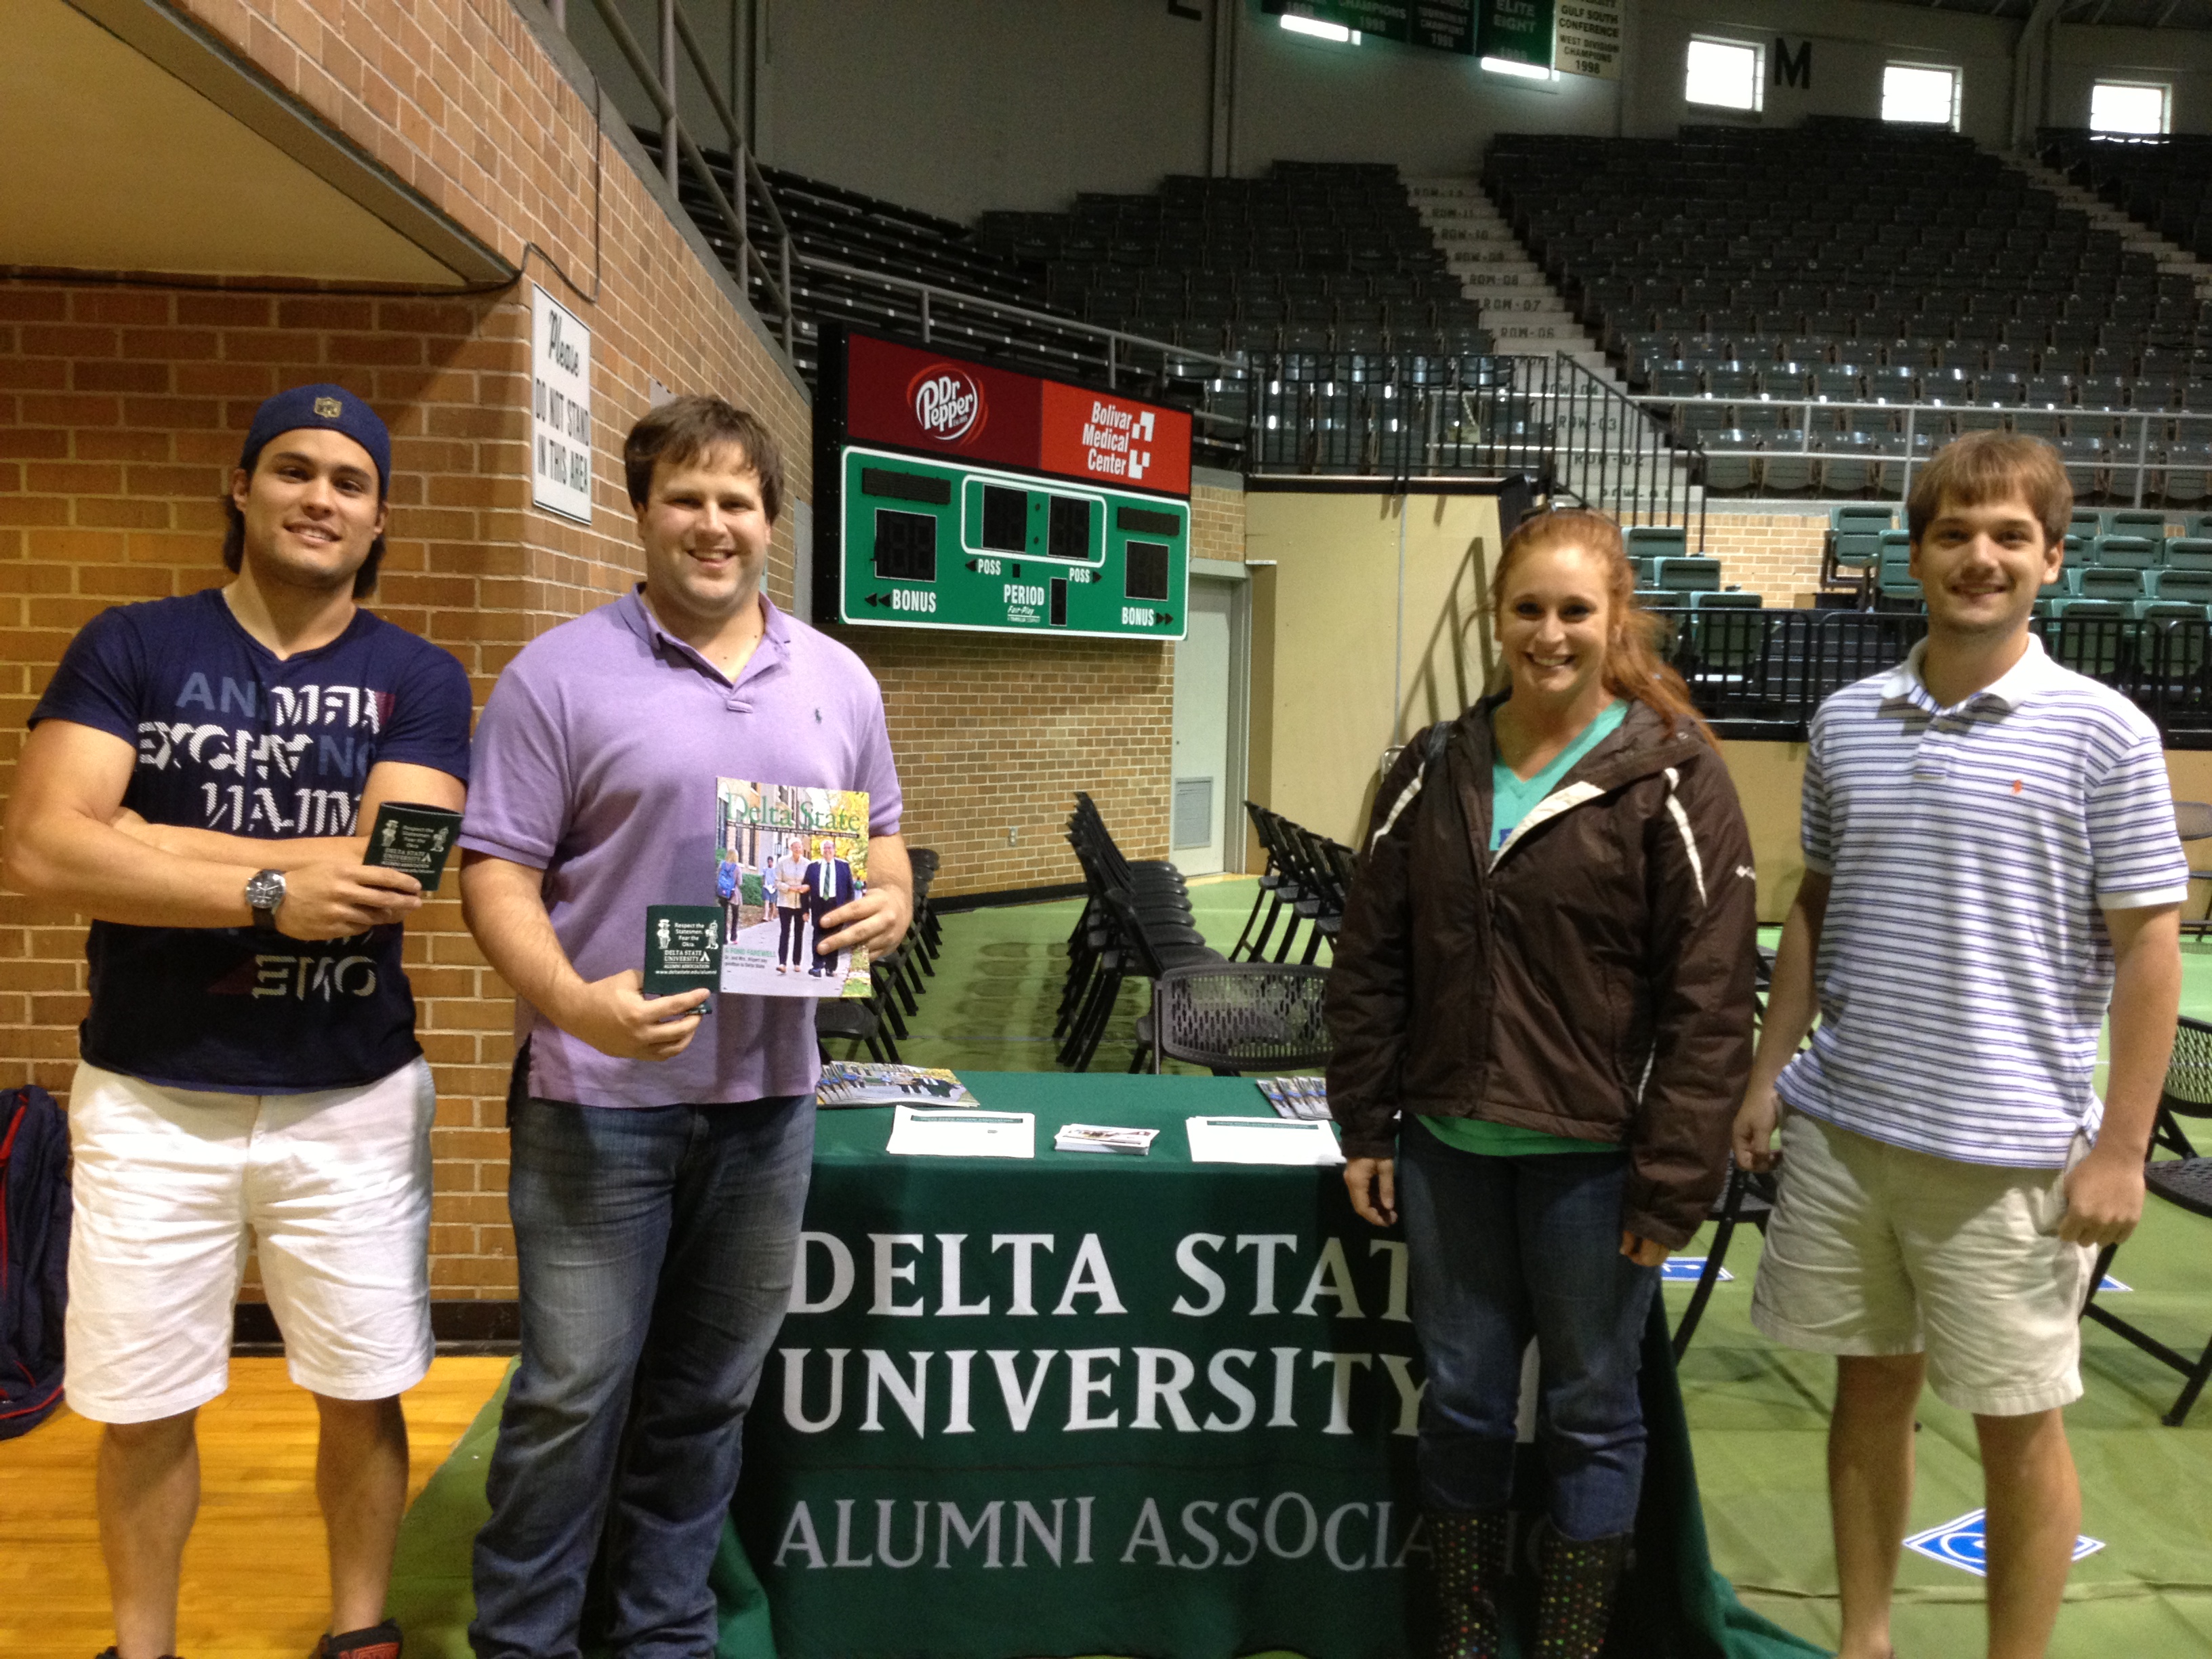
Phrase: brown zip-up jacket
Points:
(1593, 979)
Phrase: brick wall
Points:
(994, 733)
(122, 408)
(1217, 523)
(1776, 555)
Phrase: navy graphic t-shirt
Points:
(231, 738)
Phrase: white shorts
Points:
(1878, 1249)
(171, 1185)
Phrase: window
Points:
(1921, 92)
(2130, 106)
(1724, 75)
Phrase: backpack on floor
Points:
(34, 1233)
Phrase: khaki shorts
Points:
(1877, 1249)
(171, 1186)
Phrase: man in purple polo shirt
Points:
(659, 1155)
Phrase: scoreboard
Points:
(955, 494)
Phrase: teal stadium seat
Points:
(1688, 574)
(2126, 552)
(1725, 599)
(1893, 578)
(2123, 584)
(2168, 610)
(2189, 553)
(2084, 637)
(2188, 587)
(1855, 533)
(2136, 521)
(1656, 541)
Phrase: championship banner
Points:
(1439, 25)
(1519, 31)
(1590, 39)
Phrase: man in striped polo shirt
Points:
(1990, 860)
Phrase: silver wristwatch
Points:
(263, 893)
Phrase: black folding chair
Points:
(1279, 887)
(1748, 1199)
(1137, 918)
(1236, 1016)
(854, 1018)
(2193, 819)
(1745, 1197)
(2186, 1180)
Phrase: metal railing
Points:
(1621, 458)
(1385, 415)
(678, 147)
(1381, 417)
(944, 312)
(2131, 460)
(1762, 673)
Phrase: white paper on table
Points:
(916, 1134)
(1261, 1140)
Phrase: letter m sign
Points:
(1793, 70)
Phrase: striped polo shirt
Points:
(1965, 966)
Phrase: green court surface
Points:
(1758, 1413)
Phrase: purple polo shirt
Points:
(595, 762)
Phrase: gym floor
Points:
(1758, 1413)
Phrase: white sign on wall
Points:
(1588, 38)
(802, 560)
(560, 409)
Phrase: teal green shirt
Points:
(1512, 798)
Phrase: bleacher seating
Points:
(1320, 272)
(1313, 258)
(2163, 183)
(873, 235)
(1855, 261)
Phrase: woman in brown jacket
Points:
(1541, 1004)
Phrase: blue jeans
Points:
(655, 1250)
(1503, 1250)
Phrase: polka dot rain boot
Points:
(1576, 1583)
(1471, 1552)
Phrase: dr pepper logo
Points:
(948, 404)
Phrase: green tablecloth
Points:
(1098, 1404)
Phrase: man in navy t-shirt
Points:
(199, 779)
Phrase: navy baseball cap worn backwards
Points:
(332, 408)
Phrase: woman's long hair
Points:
(1634, 667)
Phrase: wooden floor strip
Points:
(256, 1584)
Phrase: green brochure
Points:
(682, 948)
(417, 840)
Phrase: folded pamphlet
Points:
(682, 949)
(417, 840)
(1305, 1098)
(1102, 1138)
(867, 1083)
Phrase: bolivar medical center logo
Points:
(1117, 441)
(948, 402)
